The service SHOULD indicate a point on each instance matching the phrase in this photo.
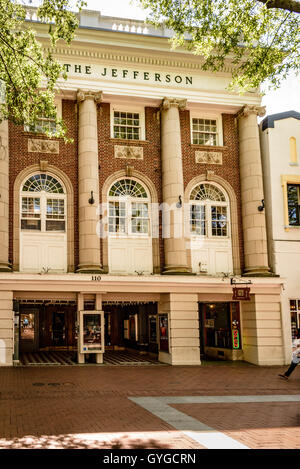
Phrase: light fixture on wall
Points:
(179, 203)
(91, 199)
(262, 206)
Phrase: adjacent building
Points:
(280, 146)
(148, 231)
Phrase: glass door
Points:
(28, 331)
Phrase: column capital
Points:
(167, 103)
(251, 109)
(82, 95)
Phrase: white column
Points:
(88, 182)
(6, 328)
(4, 197)
(172, 186)
(254, 221)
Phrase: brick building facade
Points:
(135, 235)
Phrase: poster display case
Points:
(91, 331)
(163, 332)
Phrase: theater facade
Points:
(148, 231)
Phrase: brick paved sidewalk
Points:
(94, 407)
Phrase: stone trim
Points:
(42, 146)
(208, 157)
(82, 95)
(251, 109)
(122, 58)
(128, 152)
(167, 103)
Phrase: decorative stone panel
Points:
(208, 157)
(3, 150)
(128, 152)
(43, 146)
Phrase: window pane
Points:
(128, 126)
(139, 220)
(31, 225)
(197, 220)
(55, 209)
(55, 225)
(204, 131)
(116, 220)
(219, 221)
(293, 204)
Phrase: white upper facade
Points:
(280, 145)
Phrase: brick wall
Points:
(229, 170)
(66, 161)
(151, 163)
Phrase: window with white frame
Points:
(128, 207)
(208, 211)
(43, 204)
(44, 124)
(127, 125)
(204, 131)
(127, 122)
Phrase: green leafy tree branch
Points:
(261, 38)
(28, 71)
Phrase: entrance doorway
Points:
(220, 332)
(131, 326)
(48, 326)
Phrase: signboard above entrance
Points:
(241, 293)
(128, 74)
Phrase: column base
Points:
(4, 267)
(177, 270)
(258, 272)
(89, 269)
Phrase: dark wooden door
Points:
(46, 326)
(57, 326)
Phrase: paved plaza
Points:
(224, 405)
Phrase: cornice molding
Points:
(135, 59)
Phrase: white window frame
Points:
(58, 105)
(134, 109)
(205, 115)
(43, 196)
(128, 201)
(208, 218)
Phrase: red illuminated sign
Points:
(235, 338)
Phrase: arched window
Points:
(209, 207)
(43, 204)
(43, 182)
(128, 204)
(293, 150)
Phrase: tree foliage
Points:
(260, 37)
(28, 71)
